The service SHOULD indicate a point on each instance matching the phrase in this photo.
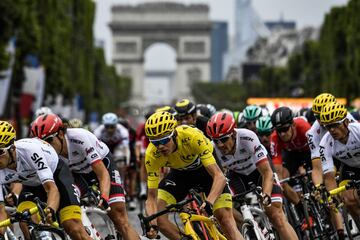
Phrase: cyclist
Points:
(131, 172)
(36, 165)
(42, 111)
(188, 153)
(342, 141)
(289, 150)
(75, 123)
(203, 110)
(246, 160)
(250, 114)
(142, 143)
(314, 136)
(186, 115)
(264, 129)
(91, 162)
(116, 137)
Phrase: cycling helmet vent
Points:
(7, 134)
(332, 112)
(220, 124)
(160, 123)
(320, 101)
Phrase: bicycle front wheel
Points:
(201, 231)
(248, 231)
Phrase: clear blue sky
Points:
(304, 12)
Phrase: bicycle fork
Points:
(248, 217)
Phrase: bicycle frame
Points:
(209, 223)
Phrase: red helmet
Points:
(220, 124)
(46, 125)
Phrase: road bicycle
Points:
(36, 230)
(189, 218)
(256, 224)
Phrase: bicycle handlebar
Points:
(240, 197)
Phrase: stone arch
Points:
(187, 28)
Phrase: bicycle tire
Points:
(56, 234)
(345, 216)
(248, 231)
(292, 218)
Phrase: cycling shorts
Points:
(292, 160)
(69, 201)
(176, 185)
(117, 193)
(241, 183)
(349, 173)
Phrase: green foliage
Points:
(60, 33)
(221, 95)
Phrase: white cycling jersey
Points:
(119, 138)
(84, 149)
(316, 133)
(249, 152)
(348, 153)
(36, 161)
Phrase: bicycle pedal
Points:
(109, 237)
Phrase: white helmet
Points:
(42, 111)
(109, 119)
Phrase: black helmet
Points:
(281, 116)
(185, 107)
(203, 110)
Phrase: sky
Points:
(303, 12)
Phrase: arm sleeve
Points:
(258, 149)
(275, 151)
(326, 156)
(91, 154)
(152, 169)
(204, 149)
(39, 164)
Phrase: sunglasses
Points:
(317, 116)
(222, 139)
(50, 138)
(261, 134)
(334, 125)
(3, 150)
(283, 129)
(162, 141)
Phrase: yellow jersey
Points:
(193, 151)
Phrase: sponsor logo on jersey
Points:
(170, 183)
(9, 176)
(38, 161)
(311, 141)
(75, 153)
(47, 151)
(322, 154)
(246, 138)
(95, 155)
(76, 141)
(89, 150)
(153, 174)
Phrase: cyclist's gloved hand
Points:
(104, 202)
(317, 192)
(12, 199)
(152, 232)
(266, 199)
(207, 207)
(50, 215)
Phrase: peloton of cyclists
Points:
(246, 160)
(36, 165)
(91, 162)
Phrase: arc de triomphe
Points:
(186, 28)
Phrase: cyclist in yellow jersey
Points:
(188, 153)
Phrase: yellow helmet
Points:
(7, 134)
(320, 101)
(159, 124)
(332, 112)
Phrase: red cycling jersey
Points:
(298, 144)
